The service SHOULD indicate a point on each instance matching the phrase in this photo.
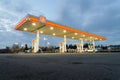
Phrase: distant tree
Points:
(67, 46)
(15, 48)
(26, 47)
(86, 45)
(104, 47)
(70, 46)
(74, 47)
(101, 46)
(56, 47)
(7, 47)
(98, 46)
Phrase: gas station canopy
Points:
(33, 24)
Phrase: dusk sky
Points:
(101, 17)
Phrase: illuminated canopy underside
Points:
(32, 24)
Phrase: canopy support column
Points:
(93, 45)
(65, 50)
(36, 42)
(82, 44)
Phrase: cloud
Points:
(11, 12)
(101, 17)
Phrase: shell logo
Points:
(42, 19)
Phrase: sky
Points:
(101, 17)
